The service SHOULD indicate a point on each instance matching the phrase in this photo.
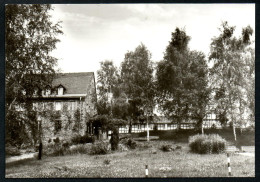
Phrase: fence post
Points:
(146, 171)
(229, 168)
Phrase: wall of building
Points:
(61, 121)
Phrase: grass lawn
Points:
(178, 163)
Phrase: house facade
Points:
(162, 123)
(65, 106)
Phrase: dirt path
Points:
(20, 157)
(247, 154)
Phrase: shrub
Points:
(122, 147)
(107, 161)
(54, 150)
(166, 148)
(82, 139)
(207, 144)
(66, 145)
(178, 147)
(11, 151)
(129, 142)
(57, 140)
(143, 146)
(80, 149)
(99, 148)
(114, 140)
(58, 151)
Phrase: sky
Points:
(99, 32)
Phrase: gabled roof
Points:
(60, 86)
(74, 83)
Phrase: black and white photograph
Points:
(163, 90)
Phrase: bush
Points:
(82, 139)
(122, 147)
(178, 147)
(80, 149)
(99, 148)
(66, 145)
(64, 149)
(58, 150)
(143, 146)
(11, 151)
(129, 142)
(166, 148)
(207, 144)
(54, 150)
(57, 140)
(114, 140)
(107, 161)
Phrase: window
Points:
(57, 125)
(60, 90)
(161, 126)
(36, 91)
(57, 106)
(123, 129)
(172, 126)
(48, 91)
(35, 106)
(72, 106)
(48, 105)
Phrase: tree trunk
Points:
(130, 127)
(201, 125)
(234, 132)
(232, 117)
(233, 123)
(147, 125)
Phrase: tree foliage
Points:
(125, 93)
(107, 79)
(30, 36)
(232, 72)
(137, 80)
(182, 80)
(111, 106)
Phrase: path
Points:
(21, 157)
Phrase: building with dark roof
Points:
(65, 106)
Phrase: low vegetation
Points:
(207, 144)
(100, 148)
(11, 151)
(245, 137)
(131, 163)
(165, 158)
(82, 139)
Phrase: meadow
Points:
(131, 163)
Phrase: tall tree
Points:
(230, 70)
(170, 75)
(112, 106)
(182, 81)
(107, 83)
(30, 36)
(197, 86)
(138, 82)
